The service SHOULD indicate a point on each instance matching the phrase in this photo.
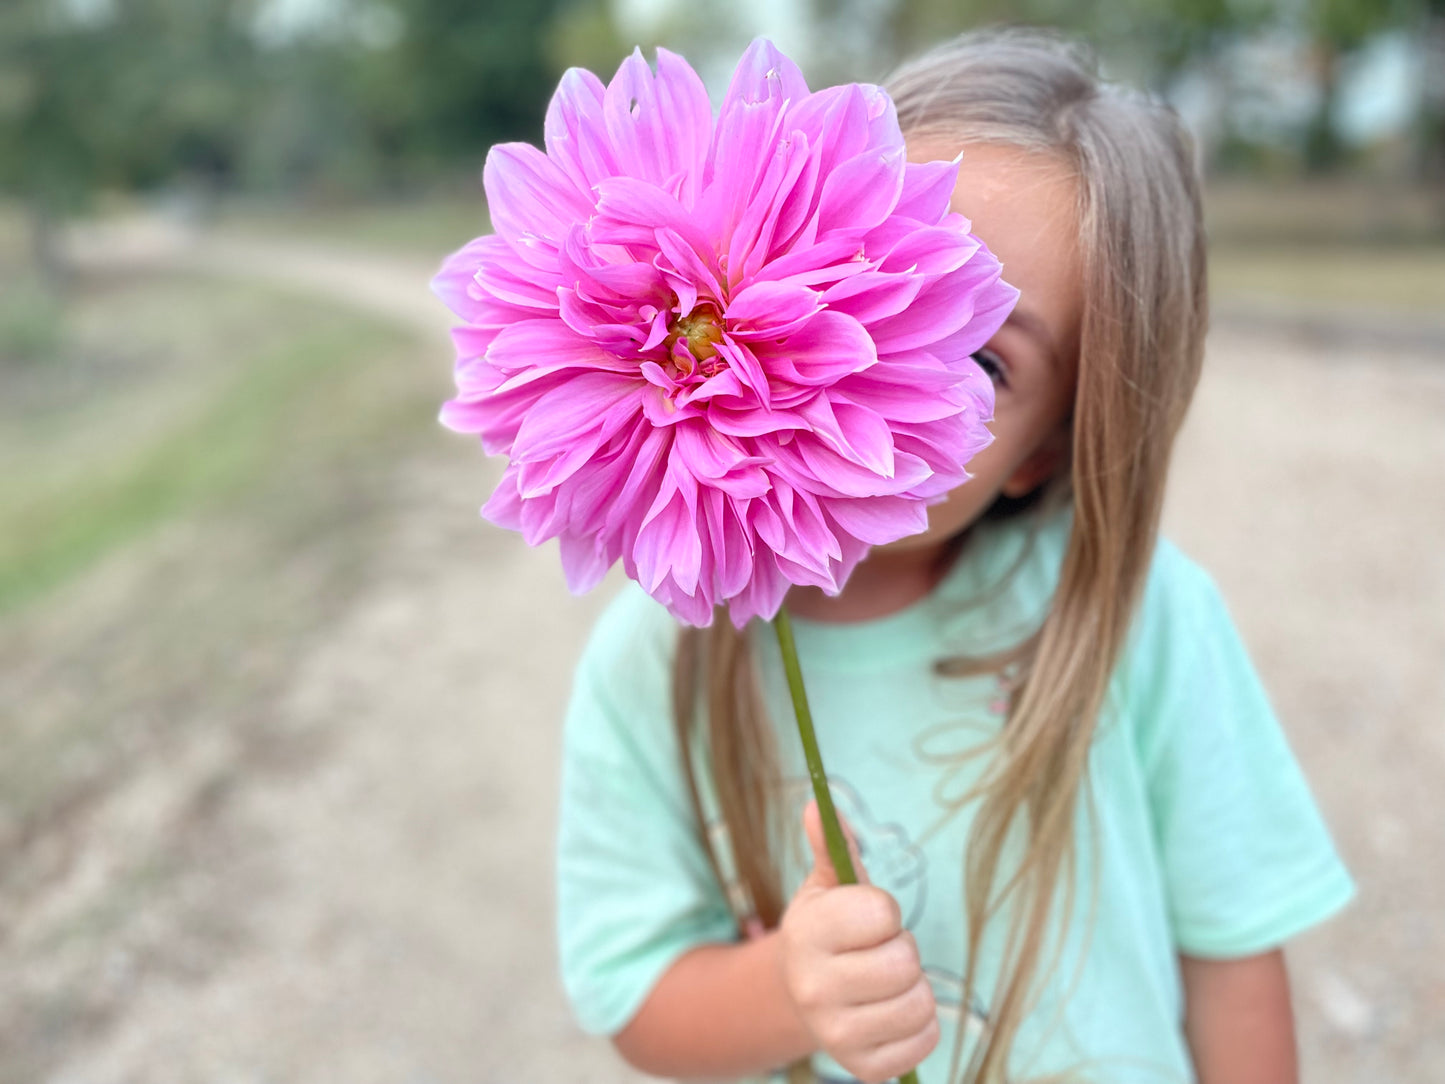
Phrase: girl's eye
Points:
(991, 364)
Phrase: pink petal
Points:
(917, 369)
(504, 507)
(901, 403)
(539, 347)
(762, 224)
(686, 120)
(630, 212)
(507, 278)
(861, 192)
(718, 462)
(749, 370)
(764, 74)
(827, 348)
(603, 325)
(575, 136)
(831, 259)
(748, 129)
(928, 250)
(584, 563)
(706, 453)
(797, 197)
(880, 520)
(732, 551)
(751, 422)
(873, 296)
(839, 123)
(991, 306)
(927, 190)
(454, 282)
(763, 595)
(807, 544)
(938, 312)
(838, 475)
(870, 440)
(529, 196)
(662, 127)
(633, 120)
(668, 544)
(690, 265)
(649, 463)
(771, 310)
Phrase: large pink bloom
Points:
(733, 355)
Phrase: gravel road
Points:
(373, 906)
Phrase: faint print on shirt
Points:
(894, 863)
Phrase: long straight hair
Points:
(1141, 344)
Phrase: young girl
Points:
(1085, 834)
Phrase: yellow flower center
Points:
(702, 330)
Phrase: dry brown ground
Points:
(347, 877)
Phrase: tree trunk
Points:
(45, 248)
(1430, 125)
(1323, 151)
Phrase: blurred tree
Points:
(118, 93)
(356, 95)
(585, 34)
(458, 76)
(917, 24)
(1337, 28)
(1430, 125)
(1153, 40)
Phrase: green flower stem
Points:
(832, 830)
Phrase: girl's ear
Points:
(1046, 461)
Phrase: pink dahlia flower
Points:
(731, 354)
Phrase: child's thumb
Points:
(823, 874)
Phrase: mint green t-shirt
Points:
(1203, 838)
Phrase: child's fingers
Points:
(847, 918)
(892, 1060)
(823, 873)
(883, 1023)
(878, 973)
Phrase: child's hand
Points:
(853, 971)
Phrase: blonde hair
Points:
(1141, 343)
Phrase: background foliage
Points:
(287, 96)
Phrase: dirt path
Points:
(377, 907)
(363, 894)
(1310, 482)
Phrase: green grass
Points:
(322, 383)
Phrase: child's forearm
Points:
(1239, 1020)
(719, 1011)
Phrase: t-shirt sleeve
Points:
(1248, 861)
(635, 889)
